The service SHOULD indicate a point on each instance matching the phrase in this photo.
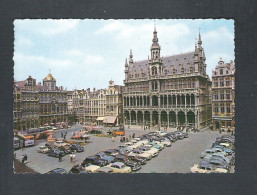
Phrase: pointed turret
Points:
(131, 57)
(126, 63)
(155, 48)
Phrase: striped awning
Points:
(110, 119)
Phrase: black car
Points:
(94, 160)
(66, 150)
(77, 148)
(137, 159)
(58, 170)
(56, 153)
(111, 152)
(132, 164)
(78, 169)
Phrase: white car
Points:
(54, 128)
(143, 142)
(43, 149)
(61, 144)
(153, 152)
(141, 154)
(119, 167)
(92, 168)
(137, 138)
(134, 146)
(166, 143)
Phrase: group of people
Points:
(63, 135)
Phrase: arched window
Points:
(221, 71)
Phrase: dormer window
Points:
(221, 71)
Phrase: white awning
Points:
(100, 118)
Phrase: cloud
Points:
(47, 27)
(93, 59)
(23, 42)
(33, 60)
(221, 33)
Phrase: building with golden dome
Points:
(36, 104)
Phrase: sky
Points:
(89, 53)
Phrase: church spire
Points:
(126, 63)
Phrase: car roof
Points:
(90, 157)
(105, 169)
(118, 164)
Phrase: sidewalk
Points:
(21, 168)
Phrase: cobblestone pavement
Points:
(178, 158)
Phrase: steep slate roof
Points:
(169, 62)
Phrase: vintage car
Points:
(141, 154)
(61, 143)
(57, 170)
(119, 167)
(55, 153)
(77, 148)
(92, 168)
(78, 169)
(43, 149)
(202, 168)
(105, 170)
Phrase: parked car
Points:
(105, 170)
(218, 163)
(60, 144)
(65, 149)
(111, 152)
(137, 159)
(43, 149)
(208, 157)
(55, 153)
(202, 168)
(92, 168)
(119, 167)
(185, 135)
(207, 152)
(78, 169)
(142, 154)
(89, 160)
(152, 151)
(77, 148)
(166, 143)
(58, 170)
(228, 151)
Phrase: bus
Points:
(28, 140)
(16, 143)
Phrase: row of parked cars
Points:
(130, 156)
(59, 149)
(219, 158)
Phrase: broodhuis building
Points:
(168, 91)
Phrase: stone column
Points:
(151, 118)
(129, 102)
(176, 119)
(168, 119)
(186, 119)
(151, 101)
(190, 100)
(143, 101)
(143, 118)
(136, 118)
(129, 118)
(185, 100)
(159, 119)
(159, 101)
(167, 101)
(136, 101)
(176, 97)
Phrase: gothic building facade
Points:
(168, 91)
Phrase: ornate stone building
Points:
(36, 104)
(223, 95)
(114, 107)
(26, 104)
(52, 101)
(168, 91)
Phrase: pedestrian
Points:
(133, 136)
(62, 134)
(71, 156)
(220, 131)
(112, 139)
(129, 137)
(120, 139)
(232, 132)
(22, 161)
(60, 158)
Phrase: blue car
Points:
(107, 158)
(228, 151)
